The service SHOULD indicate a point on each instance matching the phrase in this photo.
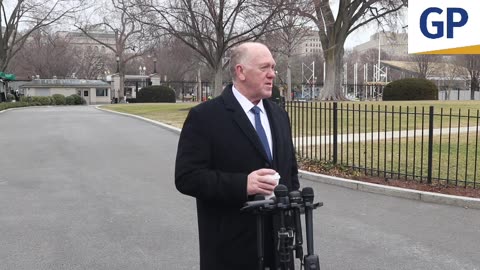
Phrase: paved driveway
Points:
(86, 189)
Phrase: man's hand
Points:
(261, 182)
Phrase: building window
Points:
(85, 93)
(102, 92)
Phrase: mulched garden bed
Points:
(329, 169)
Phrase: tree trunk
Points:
(121, 91)
(218, 82)
(332, 88)
(473, 86)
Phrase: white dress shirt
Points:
(247, 105)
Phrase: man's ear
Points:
(240, 72)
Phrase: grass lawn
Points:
(169, 113)
(350, 120)
(313, 119)
(454, 157)
(405, 156)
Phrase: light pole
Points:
(155, 66)
(142, 71)
(117, 58)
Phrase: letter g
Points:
(437, 24)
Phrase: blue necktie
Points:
(261, 132)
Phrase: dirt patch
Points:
(338, 171)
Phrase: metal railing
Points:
(415, 143)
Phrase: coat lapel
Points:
(241, 119)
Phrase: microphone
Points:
(281, 193)
(259, 202)
(295, 203)
(283, 235)
(311, 260)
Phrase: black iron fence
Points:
(188, 90)
(416, 143)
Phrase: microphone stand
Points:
(259, 206)
(311, 260)
(296, 205)
(260, 222)
(285, 235)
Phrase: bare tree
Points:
(450, 74)
(472, 64)
(26, 17)
(91, 64)
(334, 30)
(285, 42)
(130, 39)
(210, 28)
(45, 54)
(177, 60)
(423, 64)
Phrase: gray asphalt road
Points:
(86, 189)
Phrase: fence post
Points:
(335, 132)
(430, 146)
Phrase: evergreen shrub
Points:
(156, 93)
(70, 100)
(410, 89)
(78, 100)
(59, 99)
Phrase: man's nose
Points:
(272, 73)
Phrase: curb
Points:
(428, 197)
(171, 128)
(424, 196)
(6, 110)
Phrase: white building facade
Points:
(93, 91)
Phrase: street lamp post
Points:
(155, 66)
(118, 63)
(143, 71)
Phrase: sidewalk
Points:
(364, 137)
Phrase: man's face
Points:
(258, 74)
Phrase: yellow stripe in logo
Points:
(475, 49)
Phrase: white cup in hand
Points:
(275, 177)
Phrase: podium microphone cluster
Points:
(292, 205)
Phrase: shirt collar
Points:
(246, 104)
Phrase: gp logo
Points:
(443, 27)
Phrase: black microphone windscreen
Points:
(307, 194)
(281, 191)
(295, 196)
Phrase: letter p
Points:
(451, 23)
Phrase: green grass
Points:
(409, 157)
(169, 113)
(313, 119)
(403, 156)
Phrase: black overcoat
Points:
(218, 148)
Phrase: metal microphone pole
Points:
(260, 255)
(311, 260)
(295, 204)
(283, 235)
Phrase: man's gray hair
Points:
(237, 56)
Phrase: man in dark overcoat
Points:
(228, 152)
